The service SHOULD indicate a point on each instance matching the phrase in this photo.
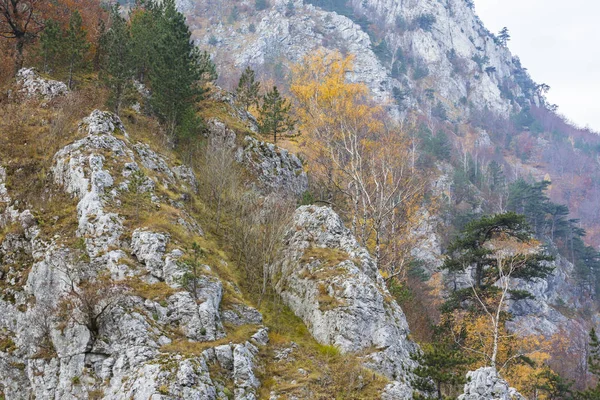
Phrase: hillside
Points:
(435, 66)
(288, 200)
(99, 233)
(433, 59)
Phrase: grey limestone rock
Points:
(241, 314)
(486, 384)
(275, 167)
(54, 358)
(149, 248)
(32, 85)
(333, 284)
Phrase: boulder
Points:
(32, 85)
(486, 384)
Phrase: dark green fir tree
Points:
(117, 71)
(75, 45)
(274, 117)
(247, 90)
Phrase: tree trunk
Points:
(378, 245)
(19, 53)
(71, 66)
(495, 348)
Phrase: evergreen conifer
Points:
(274, 115)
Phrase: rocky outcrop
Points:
(32, 85)
(275, 168)
(333, 284)
(131, 319)
(80, 169)
(177, 377)
(486, 384)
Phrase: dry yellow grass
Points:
(319, 371)
(153, 291)
(30, 135)
(186, 347)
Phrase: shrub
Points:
(401, 23)
(425, 22)
(439, 111)
(399, 95)
(261, 5)
(421, 71)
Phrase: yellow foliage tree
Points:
(522, 359)
(360, 159)
(481, 328)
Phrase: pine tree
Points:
(503, 36)
(554, 386)
(592, 393)
(440, 366)
(51, 40)
(531, 201)
(207, 70)
(261, 4)
(118, 68)
(470, 250)
(143, 37)
(290, 9)
(174, 71)
(76, 44)
(274, 115)
(496, 176)
(594, 353)
(191, 269)
(100, 53)
(247, 89)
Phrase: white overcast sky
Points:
(558, 41)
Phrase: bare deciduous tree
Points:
(20, 21)
(89, 299)
(221, 176)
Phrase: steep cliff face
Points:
(417, 47)
(464, 59)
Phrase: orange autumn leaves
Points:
(20, 29)
(327, 103)
(523, 357)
